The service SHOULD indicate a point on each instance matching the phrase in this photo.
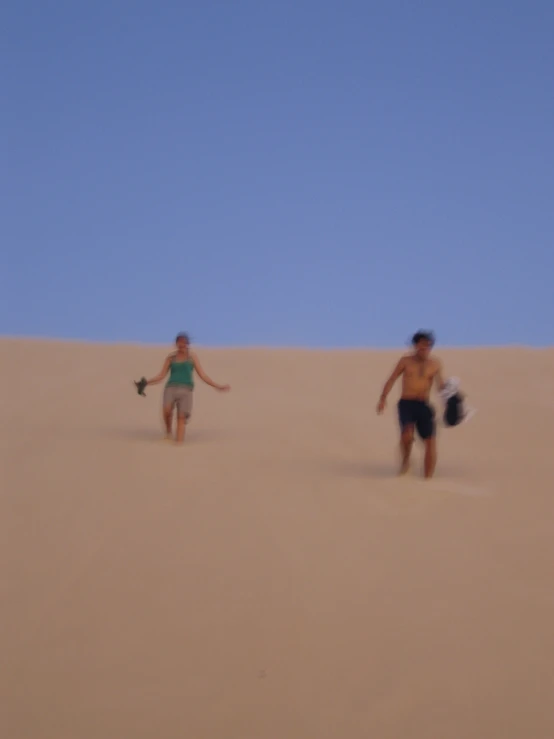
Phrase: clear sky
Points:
(284, 172)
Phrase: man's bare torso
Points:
(417, 377)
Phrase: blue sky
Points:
(306, 172)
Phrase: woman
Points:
(178, 390)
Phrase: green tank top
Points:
(181, 373)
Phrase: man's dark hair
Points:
(423, 336)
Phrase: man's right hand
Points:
(381, 405)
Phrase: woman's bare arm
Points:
(165, 369)
(204, 377)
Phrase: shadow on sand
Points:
(372, 470)
(153, 435)
(361, 468)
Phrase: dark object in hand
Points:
(141, 384)
(454, 411)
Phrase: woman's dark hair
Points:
(423, 336)
(182, 335)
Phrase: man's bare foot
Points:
(168, 437)
(404, 467)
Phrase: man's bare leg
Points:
(430, 461)
(181, 424)
(168, 421)
(406, 443)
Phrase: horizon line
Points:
(266, 347)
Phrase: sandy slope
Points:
(272, 579)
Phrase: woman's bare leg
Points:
(181, 425)
(168, 420)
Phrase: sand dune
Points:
(272, 579)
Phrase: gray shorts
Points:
(179, 396)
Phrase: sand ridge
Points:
(272, 578)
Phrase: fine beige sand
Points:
(272, 579)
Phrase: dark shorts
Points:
(417, 413)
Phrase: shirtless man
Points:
(418, 372)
